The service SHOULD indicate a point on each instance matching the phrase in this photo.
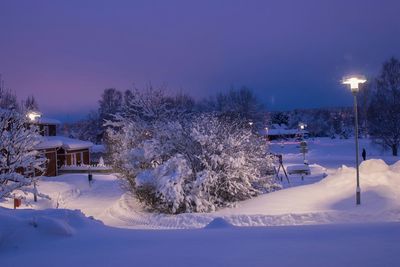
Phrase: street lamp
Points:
(303, 144)
(302, 126)
(33, 115)
(354, 82)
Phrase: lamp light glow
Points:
(33, 115)
(354, 82)
(302, 125)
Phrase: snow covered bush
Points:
(18, 156)
(177, 160)
(166, 186)
(234, 163)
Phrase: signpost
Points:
(304, 150)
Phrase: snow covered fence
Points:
(85, 169)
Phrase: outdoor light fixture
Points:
(33, 115)
(354, 82)
(250, 123)
(302, 126)
(266, 133)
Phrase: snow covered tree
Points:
(234, 163)
(19, 160)
(91, 128)
(146, 114)
(384, 108)
(177, 160)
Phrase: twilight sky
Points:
(292, 53)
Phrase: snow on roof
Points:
(64, 142)
(43, 120)
(282, 132)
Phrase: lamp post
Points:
(354, 82)
(303, 144)
(302, 126)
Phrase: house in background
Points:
(277, 132)
(59, 150)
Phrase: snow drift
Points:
(21, 226)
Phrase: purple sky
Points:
(292, 53)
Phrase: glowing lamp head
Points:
(33, 115)
(354, 82)
(250, 123)
(302, 126)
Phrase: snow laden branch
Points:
(18, 156)
(176, 160)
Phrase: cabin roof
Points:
(43, 120)
(64, 142)
(283, 132)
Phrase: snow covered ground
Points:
(330, 153)
(316, 220)
(313, 200)
(66, 238)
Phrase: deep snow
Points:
(316, 221)
(65, 238)
(312, 201)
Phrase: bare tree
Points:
(237, 105)
(8, 99)
(110, 103)
(31, 104)
(384, 108)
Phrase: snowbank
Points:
(218, 223)
(22, 226)
(331, 200)
(93, 244)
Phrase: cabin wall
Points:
(51, 166)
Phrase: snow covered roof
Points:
(282, 132)
(64, 142)
(43, 120)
